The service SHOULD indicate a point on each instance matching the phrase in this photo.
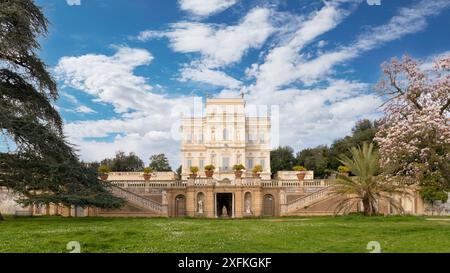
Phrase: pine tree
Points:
(42, 167)
(160, 163)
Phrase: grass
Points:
(296, 234)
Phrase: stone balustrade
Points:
(199, 182)
(304, 201)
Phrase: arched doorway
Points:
(268, 205)
(180, 206)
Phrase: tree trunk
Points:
(1, 217)
(366, 207)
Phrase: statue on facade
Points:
(200, 206)
(248, 206)
(164, 197)
(224, 211)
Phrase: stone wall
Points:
(438, 208)
(8, 205)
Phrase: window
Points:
(200, 138)
(189, 163)
(201, 164)
(189, 138)
(261, 138)
(251, 138)
(225, 163)
(225, 134)
(250, 163)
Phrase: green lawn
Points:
(312, 234)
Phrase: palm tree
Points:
(366, 187)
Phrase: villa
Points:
(223, 135)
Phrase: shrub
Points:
(148, 170)
(343, 169)
(238, 167)
(210, 167)
(257, 169)
(103, 169)
(299, 168)
(194, 169)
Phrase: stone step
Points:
(128, 214)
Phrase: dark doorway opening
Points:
(268, 205)
(180, 206)
(224, 200)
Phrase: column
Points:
(238, 202)
(190, 202)
(209, 203)
(258, 201)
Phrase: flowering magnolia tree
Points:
(414, 136)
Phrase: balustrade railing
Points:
(304, 201)
(137, 199)
(247, 181)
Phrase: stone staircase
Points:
(301, 204)
(137, 205)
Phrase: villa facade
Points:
(224, 134)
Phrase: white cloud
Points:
(85, 110)
(408, 20)
(111, 79)
(280, 64)
(218, 45)
(205, 7)
(201, 73)
(287, 63)
(149, 34)
(146, 122)
(310, 117)
(73, 2)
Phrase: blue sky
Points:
(126, 69)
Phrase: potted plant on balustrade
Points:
(256, 171)
(103, 170)
(301, 172)
(147, 173)
(238, 170)
(209, 170)
(343, 170)
(194, 171)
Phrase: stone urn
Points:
(256, 175)
(104, 176)
(192, 175)
(209, 174)
(344, 174)
(147, 176)
(238, 174)
(301, 175)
